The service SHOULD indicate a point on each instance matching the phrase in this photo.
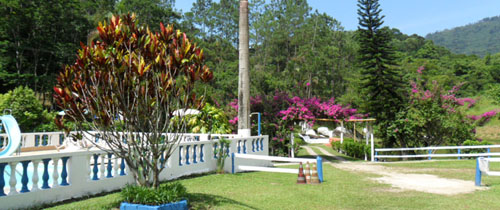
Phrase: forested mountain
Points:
(478, 38)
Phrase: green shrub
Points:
(26, 108)
(165, 193)
(210, 120)
(221, 153)
(352, 148)
(474, 143)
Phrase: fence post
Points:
(459, 154)
(232, 163)
(430, 152)
(376, 159)
(478, 173)
(489, 152)
(319, 163)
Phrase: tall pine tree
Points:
(381, 81)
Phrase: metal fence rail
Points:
(429, 155)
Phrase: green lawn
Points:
(341, 190)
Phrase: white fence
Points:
(48, 178)
(251, 162)
(430, 152)
(47, 140)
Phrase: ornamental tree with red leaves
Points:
(127, 86)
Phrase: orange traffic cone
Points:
(308, 174)
(301, 179)
(314, 175)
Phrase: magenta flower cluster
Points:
(312, 108)
(450, 101)
(483, 118)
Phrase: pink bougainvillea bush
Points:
(435, 116)
(282, 110)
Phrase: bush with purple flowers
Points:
(435, 116)
(281, 111)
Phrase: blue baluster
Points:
(187, 154)
(96, 169)
(97, 136)
(253, 145)
(110, 166)
(227, 148)
(61, 139)
(122, 168)
(45, 176)
(244, 146)
(2, 181)
(24, 179)
(201, 153)
(64, 173)
(257, 145)
(262, 144)
(194, 153)
(162, 160)
(45, 140)
(215, 149)
(37, 140)
(180, 155)
(239, 146)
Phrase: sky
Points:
(409, 16)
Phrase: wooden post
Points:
(373, 145)
(354, 131)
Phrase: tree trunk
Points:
(244, 78)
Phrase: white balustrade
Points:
(55, 172)
(13, 181)
(34, 178)
(76, 169)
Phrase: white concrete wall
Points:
(80, 168)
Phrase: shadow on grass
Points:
(207, 201)
(329, 158)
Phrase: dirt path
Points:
(404, 181)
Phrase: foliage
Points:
(434, 117)
(478, 38)
(474, 143)
(165, 193)
(149, 12)
(210, 120)
(38, 37)
(141, 77)
(281, 112)
(221, 152)
(352, 148)
(381, 82)
(26, 108)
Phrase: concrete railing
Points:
(48, 178)
(32, 141)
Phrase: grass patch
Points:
(341, 190)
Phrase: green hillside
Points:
(478, 38)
